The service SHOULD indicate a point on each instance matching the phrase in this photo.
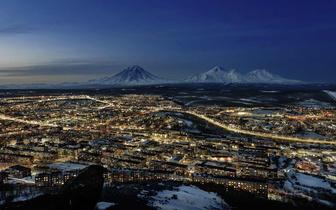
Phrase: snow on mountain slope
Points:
(220, 75)
(260, 75)
(217, 75)
(135, 75)
(263, 76)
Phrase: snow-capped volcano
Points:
(217, 75)
(263, 76)
(133, 75)
(220, 75)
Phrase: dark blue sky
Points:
(76, 40)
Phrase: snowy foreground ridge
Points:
(187, 197)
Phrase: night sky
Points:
(52, 41)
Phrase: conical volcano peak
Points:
(132, 75)
(134, 68)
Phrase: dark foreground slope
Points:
(83, 192)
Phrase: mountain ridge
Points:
(136, 75)
(133, 75)
(220, 75)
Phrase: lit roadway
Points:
(266, 135)
(40, 123)
(22, 180)
(229, 128)
(31, 122)
(108, 104)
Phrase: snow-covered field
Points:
(312, 103)
(167, 113)
(250, 100)
(332, 94)
(104, 205)
(311, 181)
(269, 91)
(190, 126)
(310, 187)
(263, 111)
(191, 102)
(187, 197)
(311, 135)
(187, 123)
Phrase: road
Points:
(22, 180)
(265, 135)
(237, 130)
(41, 123)
(212, 121)
(31, 122)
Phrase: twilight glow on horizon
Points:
(58, 41)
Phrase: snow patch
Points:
(187, 197)
(312, 103)
(332, 94)
(104, 205)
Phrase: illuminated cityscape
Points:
(270, 152)
(169, 105)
